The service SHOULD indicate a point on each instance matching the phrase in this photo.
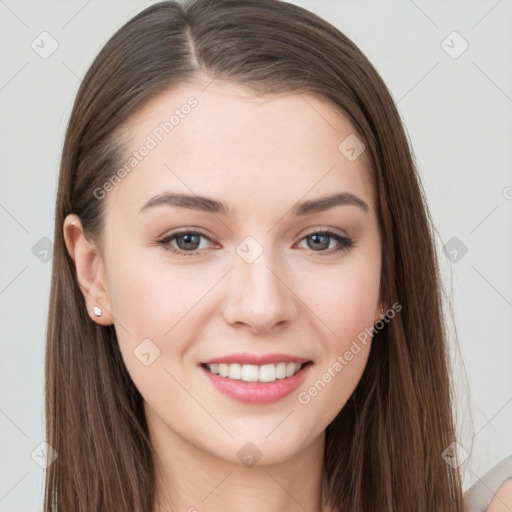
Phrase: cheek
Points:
(149, 297)
(151, 305)
(324, 396)
(137, 297)
(345, 302)
(153, 299)
(347, 310)
(345, 299)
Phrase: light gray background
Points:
(458, 114)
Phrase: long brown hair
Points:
(384, 449)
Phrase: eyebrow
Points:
(210, 205)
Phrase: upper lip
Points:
(257, 359)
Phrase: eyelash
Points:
(346, 243)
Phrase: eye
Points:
(186, 240)
(189, 242)
(320, 240)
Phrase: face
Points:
(264, 280)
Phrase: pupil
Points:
(187, 239)
(316, 237)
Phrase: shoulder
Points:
(493, 491)
(502, 502)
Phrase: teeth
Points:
(254, 373)
(250, 373)
(281, 370)
(234, 371)
(267, 373)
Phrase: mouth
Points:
(256, 384)
(265, 373)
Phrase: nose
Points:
(259, 295)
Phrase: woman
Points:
(246, 305)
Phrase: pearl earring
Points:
(97, 310)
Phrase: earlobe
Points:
(381, 311)
(89, 270)
(379, 314)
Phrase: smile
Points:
(256, 384)
(255, 373)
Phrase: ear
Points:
(89, 270)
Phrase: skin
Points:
(502, 501)
(261, 156)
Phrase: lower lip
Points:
(258, 392)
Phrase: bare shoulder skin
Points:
(492, 492)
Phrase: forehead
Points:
(222, 140)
